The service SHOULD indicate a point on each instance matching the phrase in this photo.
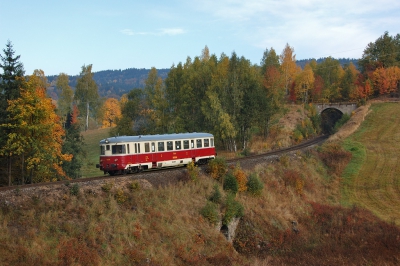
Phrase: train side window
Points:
(192, 144)
(153, 147)
(118, 149)
(128, 148)
(178, 145)
(160, 146)
(206, 143)
(137, 147)
(147, 147)
(212, 142)
(170, 145)
(199, 143)
(186, 144)
(102, 150)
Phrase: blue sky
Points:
(62, 36)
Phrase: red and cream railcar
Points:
(131, 154)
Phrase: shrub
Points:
(210, 212)
(77, 252)
(217, 168)
(245, 152)
(107, 186)
(193, 171)
(216, 195)
(233, 209)
(315, 118)
(74, 189)
(297, 135)
(134, 186)
(120, 196)
(284, 160)
(241, 178)
(254, 185)
(230, 183)
(334, 157)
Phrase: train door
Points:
(192, 148)
(148, 154)
(136, 153)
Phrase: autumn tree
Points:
(304, 82)
(66, 95)
(177, 97)
(215, 104)
(86, 94)
(331, 73)
(288, 66)
(269, 59)
(363, 89)
(34, 133)
(131, 121)
(393, 75)
(111, 112)
(348, 82)
(316, 92)
(273, 96)
(386, 80)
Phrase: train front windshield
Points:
(118, 149)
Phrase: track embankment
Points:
(51, 191)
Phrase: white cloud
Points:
(172, 31)
(312, 27)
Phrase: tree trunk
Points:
(22, 168)
(9, 170)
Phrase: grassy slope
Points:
(372, 179)
(91, 139)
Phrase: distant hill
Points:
(112, 83)
(343, 61)
(115, 83)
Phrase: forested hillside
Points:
(342, 61)
(115, 83)
(112, 83)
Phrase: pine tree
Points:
(10, 83)
(73, 144)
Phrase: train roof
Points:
(143, 138)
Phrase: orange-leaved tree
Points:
(35, 133)
(385, 80)
(111, 112)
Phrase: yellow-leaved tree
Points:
(111, 112)
(304, 82)
(288, 66)
(35, 138)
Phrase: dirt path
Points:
(376, 186)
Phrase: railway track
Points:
(160, 176)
